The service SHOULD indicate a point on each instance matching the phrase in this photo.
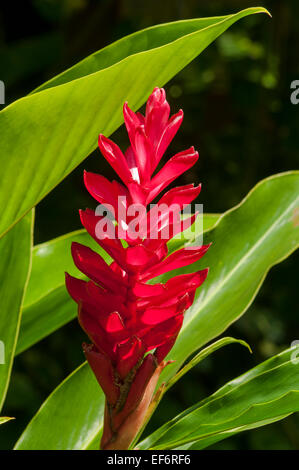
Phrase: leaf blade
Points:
(15, 265)
(267, 393)
(80, 392)
(4, 419)
(44, 145)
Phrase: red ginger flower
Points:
(123, 316)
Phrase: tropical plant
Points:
(44, 136)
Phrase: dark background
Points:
(238, 114)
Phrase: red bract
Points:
(133, 325)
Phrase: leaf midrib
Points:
(284, 364)
(186, 440)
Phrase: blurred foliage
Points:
(236, 100)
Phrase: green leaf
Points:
(4, 419)
(48, 133)
(70, 418)
(47, 305)
(15, 249)
(248, 240)
(201, 356)
(210, 440)
(206, 222)
(265, 394)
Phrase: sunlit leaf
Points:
(265, 394)
(4, 419)
(45, 135)
(15, 249)
(70, 418)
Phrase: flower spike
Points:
(132, 325)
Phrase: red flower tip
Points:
(133, 325)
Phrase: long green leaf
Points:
(264, 394)
(220, 436)
(47, 305)
(247, 241)
(45, 135)
(15, 250)
(78, 400)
